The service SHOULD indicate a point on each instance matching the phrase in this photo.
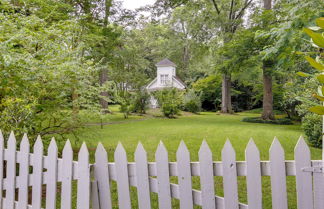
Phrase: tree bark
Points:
(103, 78)
(267, 113)
(103, 75)
(75, 105)
(226, 94)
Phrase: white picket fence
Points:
(93, 180)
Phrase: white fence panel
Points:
(66, 168)
(142, 179)
(83, 193)
(101, 174)
(51, 187)
(206, 176)
(23, 173)
(162, 172)
(230, 177)
(37, 174)
(49, 170)
(278, 176)
(253, 176)
(11, 172)
(124, 200)
(303, 179)
(1, 166)
(184, 177)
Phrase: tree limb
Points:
(216, 7)
(240, 14)
(231, 10)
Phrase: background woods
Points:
(64, 61)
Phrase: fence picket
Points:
(1, 167)
(253, 176)
(142, 179)
(206, 177)
(37, 174)
(184, 177)
(162, 166)
(66, 188)
(101, 174)
(83, 191)
(122, 177)
(303, 179)
(51, 175)
(11, 172)
(229, 177)
(278, 176)
(23, 173)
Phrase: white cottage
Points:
(166, 78)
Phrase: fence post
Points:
(83, 193)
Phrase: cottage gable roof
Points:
(165, 63)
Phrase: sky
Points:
(134, 4)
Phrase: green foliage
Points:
(140, 101)
(317, 40)
(209, 89)
(191, 102)
(280, 121)
(312, 126)
(169, 100)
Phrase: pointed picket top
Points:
(228, 148)
(52, 148)
(100, 151)
(140, 151)
(182, 148)
(38, 144)
(276, 146)
(12, 139)
(204, 149)
(24, 142)
(120, 148)
(1, 137)
(302, 146)
(251, 147)
(67, 148)
(83, 152)
(161, 150)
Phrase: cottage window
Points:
(164, 79)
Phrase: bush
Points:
(209, 89)
(191, 102)
(312, 126)
(169, 100)
(140, 102)
(280, 121)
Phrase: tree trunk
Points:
(75, 105)
(267, 113)
(226, 94)
(103, 78)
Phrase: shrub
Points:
(169, 100)
(140, 102)
(312, 126)
(280, 121)
(191, 102)
(209, 89)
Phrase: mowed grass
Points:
(192, 129)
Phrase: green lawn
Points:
(193, 129)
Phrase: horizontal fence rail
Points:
(25, 174)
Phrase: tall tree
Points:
(103, 75)
(267, 113)
(226, 18)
